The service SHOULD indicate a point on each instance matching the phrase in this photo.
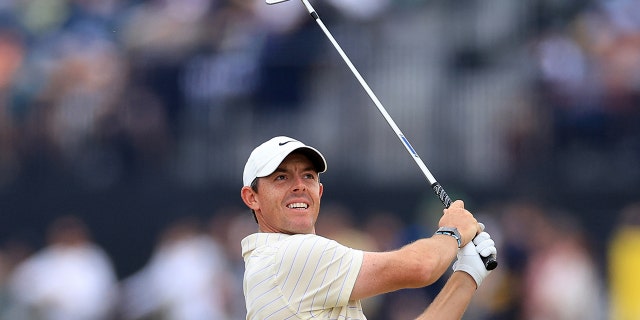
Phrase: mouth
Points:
(298, 206)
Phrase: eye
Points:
(309, 176)
(280, 177)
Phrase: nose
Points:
(299, 185)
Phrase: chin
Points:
(303, 229)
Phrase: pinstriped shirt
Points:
(302, 276)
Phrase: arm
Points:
(417, 264)
(453, 300)
(469, 272)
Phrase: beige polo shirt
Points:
(301, 276)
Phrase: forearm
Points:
(434, 254)
(415, 265)
(453, 300)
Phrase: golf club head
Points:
(275, 1)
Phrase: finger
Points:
(457, 204)
(488, 251)
(484, 248)
(479, 229)
(482, 236)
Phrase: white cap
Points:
(266, 158)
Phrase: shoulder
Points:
(261, 240)
(312, 250)
(295, 246)
(309, 242)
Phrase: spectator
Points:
(186, 279)
(70, 279)
(561, 279)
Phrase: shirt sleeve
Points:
(317, 273)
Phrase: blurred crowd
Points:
(112, 90)
(548, 269)
(106, 90)
(589, 78)
(100, 86)
(194, 272)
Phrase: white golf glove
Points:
(469, 257)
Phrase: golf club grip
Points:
(442, 195)
(489, 262)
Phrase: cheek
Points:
(271, 198)
(317, 193)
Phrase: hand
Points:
(469, 257)
(459, 217)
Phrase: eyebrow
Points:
(309, 168)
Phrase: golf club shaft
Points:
(489, 262)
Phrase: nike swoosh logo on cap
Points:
(283, 143)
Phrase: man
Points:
(71, 278)
(290, 272)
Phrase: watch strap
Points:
(451, 231)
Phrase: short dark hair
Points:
(254, 187)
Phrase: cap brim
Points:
(314, 156)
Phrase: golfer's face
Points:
(289, 198)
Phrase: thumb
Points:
(457, 204)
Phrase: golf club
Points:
(490, 262)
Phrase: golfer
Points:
(292, 273)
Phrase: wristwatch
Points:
(451, 232)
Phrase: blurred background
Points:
(125, 126)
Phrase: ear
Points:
(321, 190)
(249, 197)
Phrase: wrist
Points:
(452, 232)
(466, 280)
